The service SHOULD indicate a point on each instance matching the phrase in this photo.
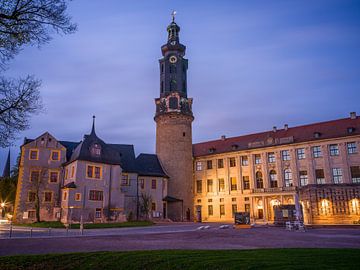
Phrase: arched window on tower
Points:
(259, 180)
(162, 86)
(273, 179)
(162, 68)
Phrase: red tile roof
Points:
(327, 130)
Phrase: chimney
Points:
(223, 137)
(353, 115)
(286, 126)
(274, 128)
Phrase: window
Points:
(285, 155)
(300, 153)
(246, 182)
(54, 177)
(153, 183)
(232, 162)
(77, 196)
(288, 178)
(35, 176)
(95, 195)
(220, 163)
(271, 157)
(351, 148)
(221, 184)
(95, 150)
(31, 196)
(31, 214)
(247, 207)
(222, 210)
(355, 174)
(209, 185)
(55, 155)
(233, 209)
(209, 164)
(199, 186)
(142, 183)
(233, 183)
(317, 151)
(98, 213)
(210, 210)
(47, 196)
(320, 176)
(273, 179)
(153, 206)
(244, 161)
(233, 199)
(198, 165)
(257, 159)
(125, 180)
(66, 173)
(34, 154)
(172, 68)
(334, 150)
(93, 172)
(337, 175)
(64, 196)
(221, 200)
(72, 171)
(303, 178)
(259, 180)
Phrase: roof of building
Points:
(70, 146)
(149, 165)
(306, 133)
(127, 155)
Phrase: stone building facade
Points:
(254, 173)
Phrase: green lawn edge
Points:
(191, 259)
(59, 225)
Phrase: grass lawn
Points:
(57, 224)
(192, 259)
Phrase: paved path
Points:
(185, 237)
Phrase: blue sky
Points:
(252, 65)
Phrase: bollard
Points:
(49, 231)
(10, 231)
(67, 231)
(31, 232)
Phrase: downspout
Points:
(109, 202)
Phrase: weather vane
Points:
(173, 15)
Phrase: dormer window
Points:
(95, 150)
(234, 146)
(350, 129)
(211, 150)
(317, 134)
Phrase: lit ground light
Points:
(192, 259)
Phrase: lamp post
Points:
(2, 209)
(71, 209)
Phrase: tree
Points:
(145, 205)
(25, 22)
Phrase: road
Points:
(183, 236)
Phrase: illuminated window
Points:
(54, 177)
(337, 175)
(334, 149)
(285, 155)
(303, 178)
(221, 184)
(325, 207)
(210, 210)
(257, 159)
(259, 180)
(355, 174)
(72, 171)
(34, 154)
(233, 183)
(95, 195)
(65, 196)
(222, 210)
(247, 207)
(300, 153)
(77, 196)
(355, 206)
(35, 176)
(31, 196)
(209, 185)
(246, 182)
(232, 162)
(220, 163)
(209, 164)
(153, 206)
(98, 213)
(55, 155)
(320, 176)
(273, 179)
(317, 151)
(244, 161)
(199, 186)
(153, 183)
(47, 196)
(271, 157)
(198, 166)
(288, 178)
(351, 148)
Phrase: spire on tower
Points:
(93, 126)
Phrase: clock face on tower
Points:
(173, 59)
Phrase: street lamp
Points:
(2, 209)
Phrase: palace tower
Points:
(173, 127)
